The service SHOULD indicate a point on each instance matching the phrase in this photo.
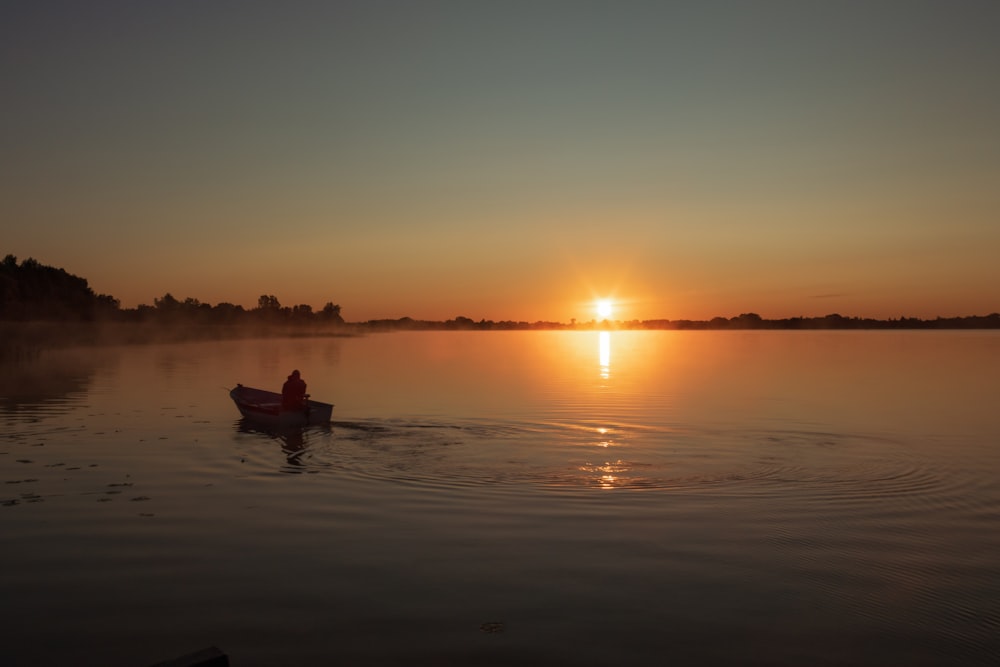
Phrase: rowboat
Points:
(264, 407)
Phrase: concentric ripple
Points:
(815, 467)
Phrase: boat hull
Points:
(264, 407)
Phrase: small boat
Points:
(264, 407)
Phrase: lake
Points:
(500, 498)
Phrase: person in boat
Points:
(293, 392)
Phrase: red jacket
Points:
(293, 393)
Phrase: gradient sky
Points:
(510, 160)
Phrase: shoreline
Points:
(18, 336)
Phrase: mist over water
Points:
(577, 498)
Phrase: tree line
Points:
(31, 291)
(745, 321)
(170, 310)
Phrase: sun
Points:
(604, 308)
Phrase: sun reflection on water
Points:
(607, 474)
(604, 353)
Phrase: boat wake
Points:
(817, 467)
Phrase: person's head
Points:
(295, 374)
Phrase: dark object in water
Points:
(207, 657)
(264, 407)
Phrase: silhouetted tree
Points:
(227, 313)
(167, 303)
(331, 314)
(33, 291)
(268, 302)
(302, 313)
(747, 321)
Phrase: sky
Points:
(510, 160)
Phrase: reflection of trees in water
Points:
(36, 378)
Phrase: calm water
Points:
(550, 498)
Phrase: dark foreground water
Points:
(570, 498)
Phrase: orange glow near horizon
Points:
(688, 188)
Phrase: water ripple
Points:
(817, 468)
